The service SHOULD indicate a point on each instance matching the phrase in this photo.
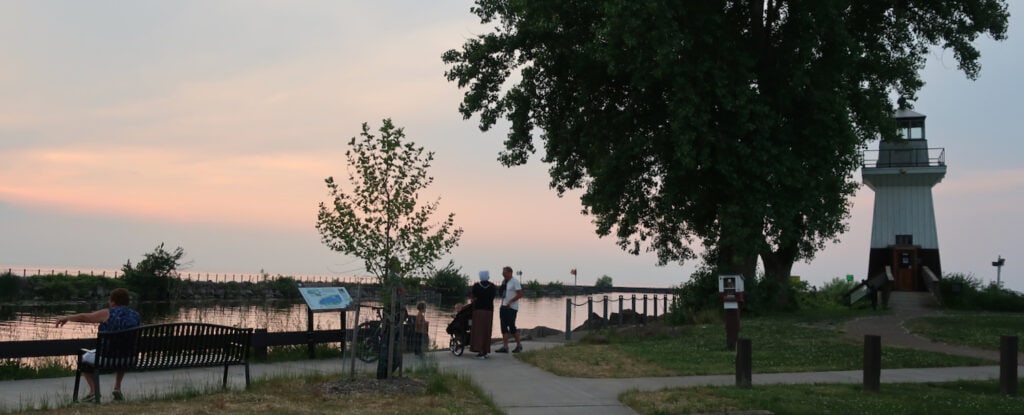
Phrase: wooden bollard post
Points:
(259, 344)
(732, 328)
(744, 372)
(1008, 365)
(568, 319)
(872, 362)
(620, 309)
(309, 333)
(605, 321)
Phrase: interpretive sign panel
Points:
(326, 298)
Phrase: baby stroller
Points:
(459, 330)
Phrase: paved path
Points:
(517, 388)
(892, 329)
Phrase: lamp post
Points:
(998, 263)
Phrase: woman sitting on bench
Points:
(117, 317)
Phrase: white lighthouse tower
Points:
(903, 232)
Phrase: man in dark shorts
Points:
(513, 291)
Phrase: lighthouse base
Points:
(907, 263)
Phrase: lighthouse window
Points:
(911, 129)
(904, 239)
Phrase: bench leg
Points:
(225, 385)
(96, 378)
(78, 378)
(247, 375)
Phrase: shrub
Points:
(699, 293)
(959, 290)
(10, 286)
(286, 286)
(966, 292)
(156, 276)
(451, 284)
(533, 285)
(555, 287)
(996, 298)
(604, 282)
(832, 295)
(54, 287)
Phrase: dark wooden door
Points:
(904, 268)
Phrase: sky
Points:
(211, 126)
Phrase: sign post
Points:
(730, 290)
(998, 263)
(319, 299)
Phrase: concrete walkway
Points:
(516, 387)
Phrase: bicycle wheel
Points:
(368, 349)
(455, 346)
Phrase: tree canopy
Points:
(156, 275)
(737, 124)
(378, 218)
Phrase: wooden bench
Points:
(168, 346)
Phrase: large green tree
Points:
(378, 218)
(737, 124)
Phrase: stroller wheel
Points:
(455, 346)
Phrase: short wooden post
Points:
(343, 332)
(732, 328)
(1008, 365)
(568, 319)
(744, 372)
(872, 362)
(605, 321)
(620, 309)
(309, 333)
(259, 344)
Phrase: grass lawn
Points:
(418, 393)
(976, 397)
(780, 344)
(57, 367)
(981, 330)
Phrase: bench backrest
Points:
(173, 345)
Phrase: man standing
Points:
(513, 291)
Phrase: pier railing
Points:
(620, 313)
(904, 157)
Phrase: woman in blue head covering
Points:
(483, 315)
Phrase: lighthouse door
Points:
(904, 266)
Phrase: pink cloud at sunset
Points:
(167, 186)
(212, 126)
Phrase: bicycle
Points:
(372, 336)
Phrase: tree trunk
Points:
(731, 262)
(778, 265)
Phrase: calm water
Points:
(37, 322)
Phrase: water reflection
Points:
(36, 322)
